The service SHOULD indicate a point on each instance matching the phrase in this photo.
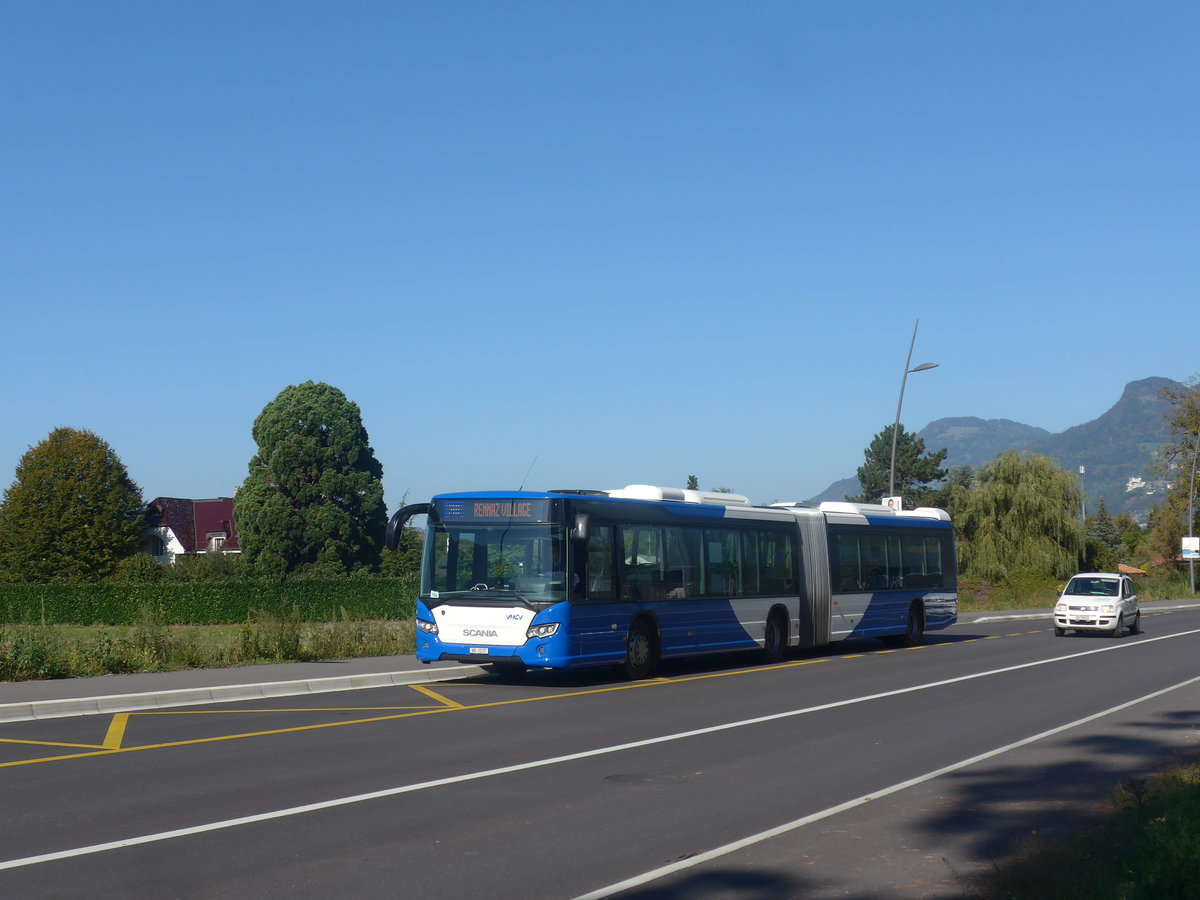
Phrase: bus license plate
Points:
(477, 650)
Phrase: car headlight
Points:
(1108, 610)
(427, 627)
(541, 631)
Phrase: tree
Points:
(1102, 528)
(693, 483)
(915, 471)
(406, 558)
(1020, 515)
(313, 500)
(957, 483)
(1179, 464)
(72, 513)
(1102, 541)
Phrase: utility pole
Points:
(1082, 499)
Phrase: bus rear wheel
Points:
(914, 625)
(775, 638)
(640, 654)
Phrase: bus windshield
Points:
(496, 564)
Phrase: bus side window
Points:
(683, 558)
(599, 578)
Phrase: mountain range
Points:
(1116, 450)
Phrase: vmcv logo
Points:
(479, 632)
(516, 617)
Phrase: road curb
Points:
(1049, 613)
(118, 703)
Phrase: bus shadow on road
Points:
(708, 664)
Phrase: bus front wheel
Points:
(639, 651)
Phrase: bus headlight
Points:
(541, 631)
(427, 627)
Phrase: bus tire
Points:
(641, 652)
(775, 638)
(914, 625)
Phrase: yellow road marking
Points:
(50, 744)
(115, 737)
(282, 709)
(116, 731)
(434, 695)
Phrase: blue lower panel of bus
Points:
(570, 635)
(885, 613)
(588, 634)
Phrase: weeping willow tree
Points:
(1019, 515)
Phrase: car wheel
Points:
(775, 640)
(1059, 632)
(1136, 627)
(639, 652)
(1119, 628)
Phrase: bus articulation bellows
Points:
(572, 578)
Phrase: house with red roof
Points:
(176, 526)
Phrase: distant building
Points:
(177, 526)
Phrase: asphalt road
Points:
(860, 772)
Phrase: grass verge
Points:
(72, 651)
(1148, 849)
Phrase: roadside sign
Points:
(1191, 548)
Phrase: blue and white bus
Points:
(565, 579)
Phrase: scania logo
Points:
(479, 632)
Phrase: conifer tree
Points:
(916, 471)
(313, 499)
(72, 513)
(1102, 529)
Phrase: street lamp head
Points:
(922, 367)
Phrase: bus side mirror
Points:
(396, 525)
(579, 531)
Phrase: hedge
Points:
(207, 602)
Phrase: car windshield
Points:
(1093, 587)
(496, 564)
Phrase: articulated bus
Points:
(628, 577)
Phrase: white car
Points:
(1098, 601)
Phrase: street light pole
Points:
(896, 427)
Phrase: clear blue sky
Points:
(632, 241)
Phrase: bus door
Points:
(598, 624)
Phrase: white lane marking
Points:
(671, 868)
(550, 761)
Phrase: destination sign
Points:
(488, 509)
